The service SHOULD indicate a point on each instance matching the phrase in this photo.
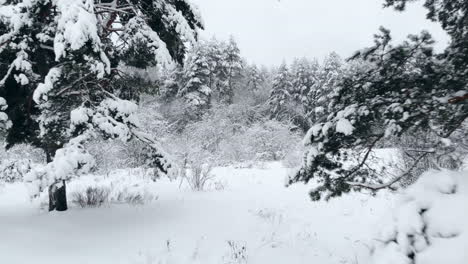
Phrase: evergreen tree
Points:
(229, 71)
(59, 76)
(196, 76)
(409, 88)
(280, 93)
(328, 77)
(303, 78)
(255, 79)
(214, 52)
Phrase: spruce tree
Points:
(326, 79)
(280, 93)
(254, 78)
(196, 75)
(303, 79)
(306, 91)
(59, 74)
(229, 71)
(214, 52)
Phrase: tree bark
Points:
(58, 197)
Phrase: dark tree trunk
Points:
(58, 197)
(58, 190)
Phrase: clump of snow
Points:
(5, 123)
(344, 126)
(116, 117)
(76, 25)
(430, 223)
(40, 94)
(79, 116)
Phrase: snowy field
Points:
(248, 216)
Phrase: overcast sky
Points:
(270, 31)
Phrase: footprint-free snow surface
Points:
(249, 218)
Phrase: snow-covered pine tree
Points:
(214, 52)
(196, 74)
(255, 79)
(408, 89)
(58, 74)
(328, 76)
(229, 71)
(303, 78)
(280, 95)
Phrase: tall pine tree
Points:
(280, 93)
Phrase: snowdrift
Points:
(430, 223)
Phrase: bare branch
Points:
(458, 99)
(376, 187)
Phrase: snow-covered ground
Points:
(250, 218)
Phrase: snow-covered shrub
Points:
(270, 140)
(21, 151)
(14, 170)
(129, 186)
(430, 223)
(195, 161)
(198, 175)
(96, 196)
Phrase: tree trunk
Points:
(58, 190)
(58, 197)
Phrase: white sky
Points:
(270, 31)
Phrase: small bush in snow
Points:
(96, 196)
(91, 197)
(130, 186)
(197, 175)
(131, 197)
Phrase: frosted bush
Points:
(198, 176)
(14, 170)
(91, 197)
(117, 187)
